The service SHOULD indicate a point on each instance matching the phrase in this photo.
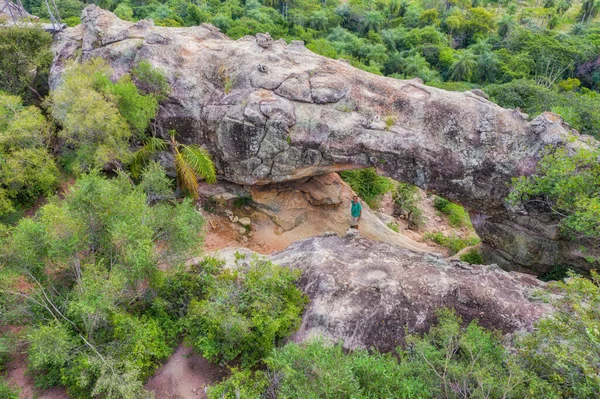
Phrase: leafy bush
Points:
(473, 257)
(6, 391)
(367, 184)
(457, 215)
(137, 109)
(151, 80)
(557, 273)
(454, 243)
(564, 347)
(27, 170)
(247, 312)
(25, 59)
(406, 201)
(449, 361)
(566, 184)
(97, 116)
(89, 265)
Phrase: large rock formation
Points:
(369, 293)
(272, 112)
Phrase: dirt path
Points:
(17, 377)
(184, 375)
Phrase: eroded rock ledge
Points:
(369, 293)
(272, 112)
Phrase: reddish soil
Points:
(184, 375)
(17, 377)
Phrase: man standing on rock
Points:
(356, 212)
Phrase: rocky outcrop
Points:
(270, 112)
(370, 294)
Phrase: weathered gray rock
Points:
(271, 112)
(369, 293)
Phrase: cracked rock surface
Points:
(369, 293)
(271, 112)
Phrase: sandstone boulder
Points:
(271, 112)
(369, 293)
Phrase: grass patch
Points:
(454, 243)
(457, 215)
(393, 227)
(473, 257)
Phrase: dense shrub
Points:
(6, 391)
(566, 183)
(98, 116)
(406, 202)
(27, 170)
(473, 256)
(87, 268)
(449, 361)
(247, 312)
(453, 242)
(457, 215)
(25, 59)
(367, 184)
(564, 348)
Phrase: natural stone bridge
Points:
(272, 112)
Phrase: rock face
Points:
(322, 204)
(367, 292)
(272, 112)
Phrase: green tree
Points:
(564, 349)
(27, 170)
(25, 59)
(248, 311)
(589, 10)
(191, 162)
(566, 183)
(463, 66)
(88, 262)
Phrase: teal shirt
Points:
(356, 209)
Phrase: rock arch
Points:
(272, 112)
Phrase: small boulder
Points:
(264, 40)
(242, 231)
(245, 221)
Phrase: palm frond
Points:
(199, 160)
(185, 173)
(155, 144)
(141, 156)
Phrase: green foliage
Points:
(151, 80)
(449, 361)
(406, 202)
(457, 215)
(247, 312)
(240, 202)
(97, 116)
(393, 227)
(564, 347)
(137, 109)
(154, 182)
(27, 170)
(6, 391)
(88, 263)
(473, 257)
(25, 59)
(91, 123)
(367, 184)
(566, 183)
(453, 242)
(559, 272)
